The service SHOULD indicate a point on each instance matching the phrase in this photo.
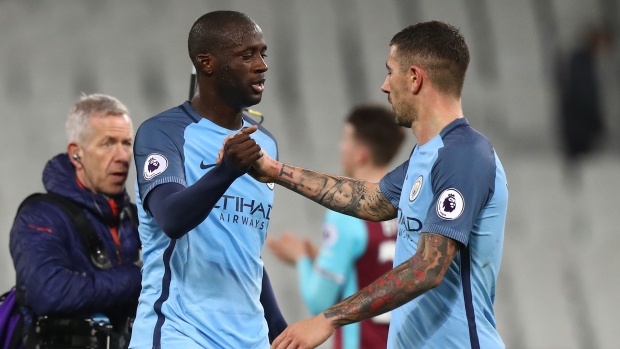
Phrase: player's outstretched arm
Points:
(422, 272)
(412, 278)
(177, 209)
(352, 197)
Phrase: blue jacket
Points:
(54, 274)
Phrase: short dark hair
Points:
(215, 31)
(439, 49)
(376, 127)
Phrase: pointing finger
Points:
(248, 130)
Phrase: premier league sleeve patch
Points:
(450, 204)
(154, 165)
(329, 235)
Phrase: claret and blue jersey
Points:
(201, 290)
(353, 254)
(455, 186)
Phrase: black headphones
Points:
(77, 158)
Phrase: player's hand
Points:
(288, 247)
(264, 169)
(311, 250)
(305, 334)
(241, 149)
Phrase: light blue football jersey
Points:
(203, 289)
(455, 186)
(333, 275)
(354, 253)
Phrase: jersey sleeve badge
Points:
(450, 204)
(154, 165)
(329, 235)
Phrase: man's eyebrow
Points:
(252, 48)
(115, 138)
(109, 138)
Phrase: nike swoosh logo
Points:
(204, 167)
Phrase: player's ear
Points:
(206, 63)
(416, 76)
(362, 155)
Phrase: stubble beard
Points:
(405, 116)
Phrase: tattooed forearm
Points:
(286, 171)
(349, 196)
(407, 281)
(377, 205)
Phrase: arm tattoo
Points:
(286, 172)
(417, 275)
(346, 195)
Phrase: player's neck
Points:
(434, 116)
(214, 109)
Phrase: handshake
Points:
(246, 155)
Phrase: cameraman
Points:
(55, 275)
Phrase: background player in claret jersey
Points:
(354, 252)
(450, 198)
(203, 224)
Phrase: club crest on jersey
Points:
(450, 204)
(271, 185)
(154, 165)
(416, 188)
